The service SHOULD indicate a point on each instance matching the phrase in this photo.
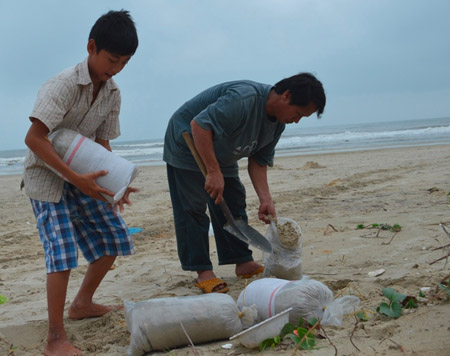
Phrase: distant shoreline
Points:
(287, 154)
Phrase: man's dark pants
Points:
(189, 201)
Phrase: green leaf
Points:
(308, 343)
(390, 294)
(360, 226)
(396, 309)
(3, 299)
(374, 226)
(362, 315)
(267, 343)
(385, 309)
(410, 304)
(445, 288)
(287, 329)
(312, 321)
(421, 294)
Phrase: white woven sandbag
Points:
(285, 260)
(84, 156)
(308, 298)
(261, 293)
(154, 324)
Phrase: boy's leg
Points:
(82, 306)
(102, 235)
(57, 237)
(57, 342)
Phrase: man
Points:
(229, 121)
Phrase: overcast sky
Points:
(379, 60)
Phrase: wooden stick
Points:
(439, 259)
(353, 331)
(194, 350)
(387, 243)
(329, 340)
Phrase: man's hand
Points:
(267, 209)
(214, 186)
(125, 199)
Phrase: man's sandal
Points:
(211, 286)
(259, 270)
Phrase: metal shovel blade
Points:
(246, 233)
(243, 231)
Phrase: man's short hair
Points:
(116, 33)
(304, 88)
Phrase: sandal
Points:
(259, 270)
(209, 285)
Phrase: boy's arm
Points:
(126, 197)
(36, 139)
(104, 143)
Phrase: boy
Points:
(73, 213)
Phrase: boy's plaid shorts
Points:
(79, 220)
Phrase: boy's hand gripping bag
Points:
(285, 262)
(84, 156)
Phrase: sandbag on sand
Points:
(308, 298)
(84, 156)
(154, 324)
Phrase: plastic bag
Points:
(307, 297)
(84, 155)
(286, 259)
(154, 324)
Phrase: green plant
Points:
(445, 288)
(300, 334)
(3, 299)
(362, 315)
(392, 228)
(304, 338)
(394, 308)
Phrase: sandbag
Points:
(285, 261)
(154, 324)
(308, 298)
(84, 155)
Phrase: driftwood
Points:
(445, 247)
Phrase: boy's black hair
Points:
(116, 33)
(304, 88)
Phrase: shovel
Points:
(236, 227)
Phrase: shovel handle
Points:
(190, 142)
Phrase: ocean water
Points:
(296, 140)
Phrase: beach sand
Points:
(327, 194)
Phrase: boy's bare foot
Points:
(247, 268)
(60, 347)
(92, 310)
